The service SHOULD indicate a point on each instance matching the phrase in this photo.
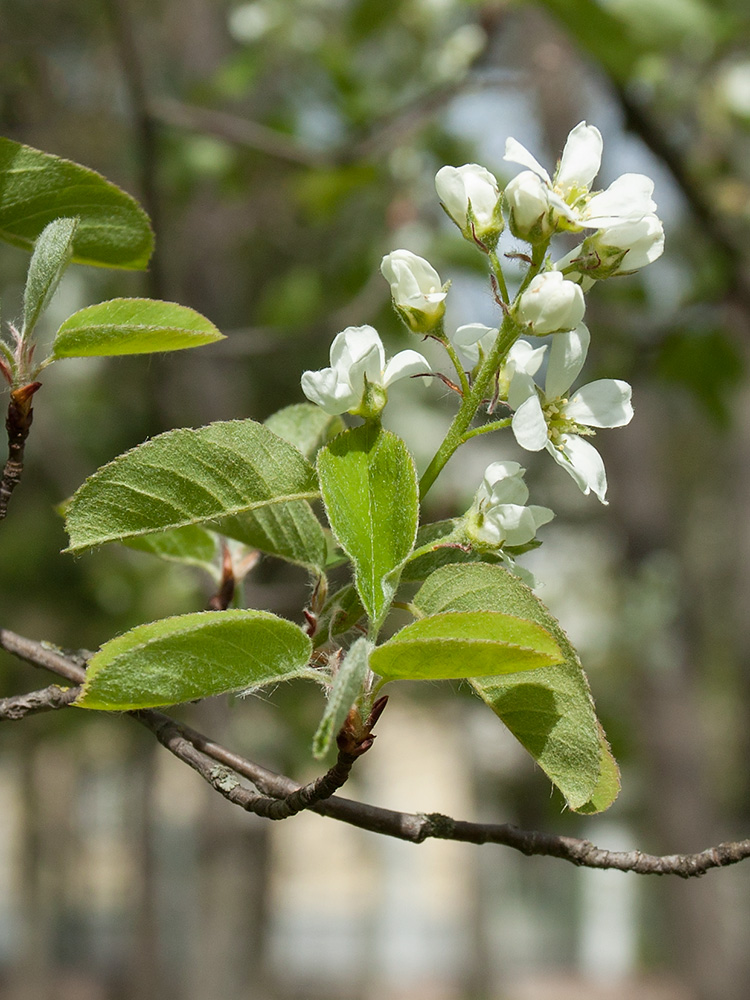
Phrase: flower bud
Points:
(550, 305)
(622, 248)
(499, 515)
(527, 197)
(418, 295)
(471, 198)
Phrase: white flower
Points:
(499, 515)
(572, 206)
(357, 363)
(527, 198)
(417, 291)
(559, 424)
(619, 249)
(473, 336)
(471, 198)
(550, 304)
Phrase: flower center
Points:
(558, 423)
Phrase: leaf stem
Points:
(495, 425)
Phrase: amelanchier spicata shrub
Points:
(216, 496)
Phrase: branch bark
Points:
(222, 769)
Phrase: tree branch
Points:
(17, 424)
(203, 755)
(46, 700)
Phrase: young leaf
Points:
(340, 613)
(464, 644)
(551, 711)
(305, 426)
(369, 486)
(188, 477)
(191, 545)
(288, 530)
(52, 254)
(132, 326)
(347, 686)
(36, 188)
(194, 656)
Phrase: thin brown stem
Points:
(47, 700)
(18, 425)
(203, 755)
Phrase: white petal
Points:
(581, 158)
(541, 515)
(404, 364)
(516, 153)
(604, 403)
(514, 522)
(353, 344)
(529, 425)
(566, 358)
(471, 333)
(521, 388)
(523, 357)
(628, 197)
(326, 390)
(503, 483)
(583, 462)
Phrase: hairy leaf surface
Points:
(370, 490)
(194, 656)
(551, 711)
(465, 644)
(188, 477)
(36, 188)
(132, 326)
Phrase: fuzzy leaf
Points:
(188, 477)
(194, 656)
(52, 254)
(288, 530)
(132, 326)
(37, 188)
(464, 644)
(305, 426)
(347, 686)
(191, 545)
(551, 711)
(369, 486)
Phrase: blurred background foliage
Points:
(282, 147)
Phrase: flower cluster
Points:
(621, 233)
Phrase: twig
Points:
(202, 754)
(46, 700)
(18, 424)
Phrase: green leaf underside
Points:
(51, 256)
(194, 656)
(422, 566)
(288, 530)
(192, 545)
(36, 188)
(369, 486)
(132, 326)
(341, 612)
(453, 645)
(551, 711)
(305, 426)
(347, 686)
(188, 477)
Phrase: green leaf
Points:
(288, 530)
(194, 656)
(188, 477)
(340, 613)
(37, 188)
(419, 567)
(132, 326)
(464, 644)
(52, 254)
(369, 486)
(347, 687)
(191, 545)
(305, 426)
(551, 711)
